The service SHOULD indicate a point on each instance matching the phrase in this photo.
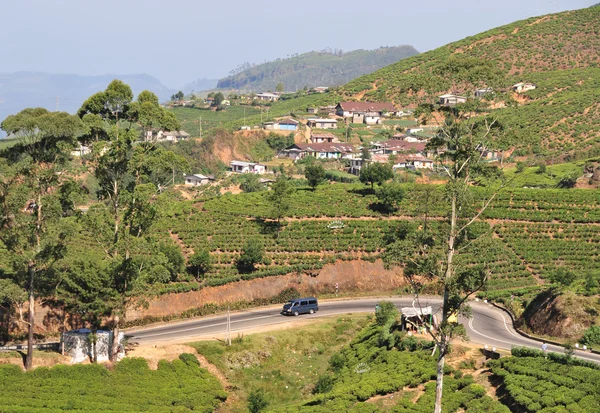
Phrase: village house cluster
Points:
(404, 151)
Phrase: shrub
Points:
(189, 359)
(257, 401)
(591, 336)
(324, 384)
(385, 312)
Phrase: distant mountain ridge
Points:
(21, 90)
(199, 85)
(312, 69)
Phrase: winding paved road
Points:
(489, 325)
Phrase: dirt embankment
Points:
(350, 276)
(560, 315)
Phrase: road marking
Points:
(316, 315)
(201, 327)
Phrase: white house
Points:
(322, 150)
(81, 150)
(414, 130)
(197, 179)
(408, 138)
(267, 96)
(395, 146)
(523, 87)
(413, 161)
(242, 167)
(323, 137)
(451, 100)
(322, 123)
(479, 93)
(347, 109)
(166, 136)
(356, 164)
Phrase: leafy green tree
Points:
(199, 263)
(427, 255)
(162, 166)
(126, 212)
(86, 291)
(251, 183)
(278, 142)
(591, 336)
(279, 197)
(541, 168)
(177, 96)
(375, 173)
(257, 401)
(365, 154)
(218, 99)
(252, 254)
(315, 175)
(390, 196)
(564, 278)
(31, 175)
(279, 88)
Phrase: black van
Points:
(299, 306)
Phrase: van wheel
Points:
(296, 313)
(312, 311)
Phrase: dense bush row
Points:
(551, 384)
(178, 386)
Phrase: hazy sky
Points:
(178, 41)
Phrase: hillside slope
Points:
(560, 53)
(314, 69)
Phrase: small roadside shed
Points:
(416, 318)
(78, 344)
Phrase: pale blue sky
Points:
(178, 41)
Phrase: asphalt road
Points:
(489, 325)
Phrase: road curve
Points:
(488, 326)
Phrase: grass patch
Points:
(285, 365)
(530, 177)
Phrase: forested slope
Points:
(314, 69)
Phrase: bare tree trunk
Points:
(443, 342)
(29, 357)
(116, 209)
(115, 344)
(439, 384)
(94, 337)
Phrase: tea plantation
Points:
(178, 386)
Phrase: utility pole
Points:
(57, 103)
(228, 329)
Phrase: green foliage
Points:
(176, 386)
(252, 254)
(257, 402)
(390, 196)
(314, 174)
(375, 173)
(250, 183)
(279, 197)
(561, 276)
(385, 312)
(199, 263)
(189, 359)
(278, 142)
(591, 336)
(535, 383)
(324, 384)
(340, 176)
